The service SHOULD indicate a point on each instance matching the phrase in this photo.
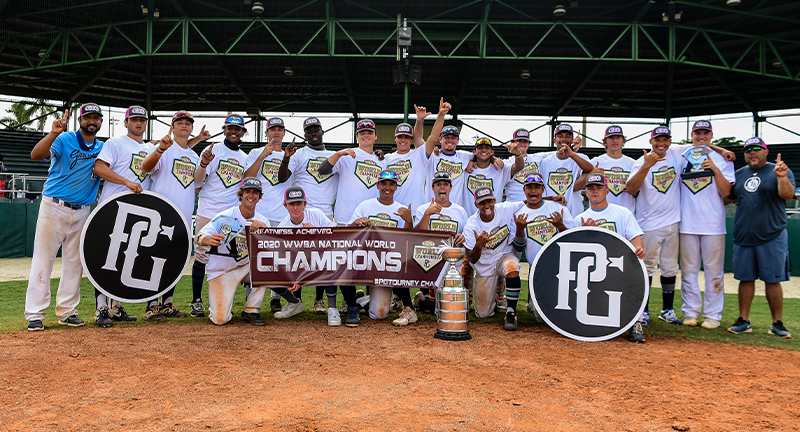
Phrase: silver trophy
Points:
(452, 300)
(696, 156)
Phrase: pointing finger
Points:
(66, 113)
(779, 159)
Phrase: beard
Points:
(85, 129)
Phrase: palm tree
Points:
(22, 112)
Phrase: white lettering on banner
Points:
(359, 260)
(600, 261)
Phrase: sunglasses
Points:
(388, 175)
(753, 148)
(235, 120)
(483, 141)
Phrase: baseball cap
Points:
(753, 142)
(483, 193)
(533, 178)
(181, 115)
(613, 130)
(449, 130)
(275, 121)
(404, 129)
(251, 183)
(442, 176)
(234, 120)
(294, 194)
(702, 124)
(521, 134)
(135, 111)
(387, 175)
(563, 128)
(90, 108)
(660, 131)
(596, 179)
(483, 141)
(311, 121)
(365, 125)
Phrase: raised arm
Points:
(41, 150)
(444, 107)
(419, 125)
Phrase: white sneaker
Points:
(290, 310)
(407, 316)
(709, 323)
(333, 317)
(690, 321)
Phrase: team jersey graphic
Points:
(478, 180)
(560, 181)
(609, 225)
(136, 165)
(444, 223)
(368, 172)
(697, 184)
(382, 220)
(312, 167)
(497, 237)
(617, 179)
(663, 179)
(269, 169)
(453, 168)
(527, 169)
(183, 170)
(540, 230)
(402, 169)
(230, 172)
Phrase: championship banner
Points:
(345, 256)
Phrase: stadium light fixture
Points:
(288, 71)
(258, 8)
(559, 11)
(525, 74)
(733, 2)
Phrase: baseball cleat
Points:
(419, 297)
(290, 310)
(118, 314)
(353, 317)
(501, 306)
(407, 316)
(72, 321)
(35, 325)
(253, 318)
(778, 329)
(275, 305)
(169, 310)
(637, 333)
(668, 316)
(198, 310)
(396, 304)
(740, 326)
(102, 318)
(319, 307)
(645, 318)
(691, 321)
(709, 323)
(153, 314)
(510, 321)
(334, 320)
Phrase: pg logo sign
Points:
(588, 284)
(135, 247)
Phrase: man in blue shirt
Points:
(760, 240)
(70, 188)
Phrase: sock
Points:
(320, 290)
(152, 303)
(114, 303)
(330, 292)
(167, 297)
(647, 303)
(102, 300)
(349, 294)
(405, 297)
(198, 273)
(283, 292)
(668, 291)
(513, 286)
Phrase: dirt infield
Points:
(307, 376)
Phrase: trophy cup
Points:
(452, 300)
(696, 156)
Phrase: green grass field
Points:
(12, 320)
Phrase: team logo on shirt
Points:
(382, 220)
(230, 172)
(540, 230)
(663, 179)
(479, 180)
(183, 170)
(368, 171)
(497, 237)
(560, 181)
(312, 167)
(269, 169)
(402, 169)
(454, 168)
(617, 179)
(443, 223)
(752, 184)
(427, 255)
(603, 223)
(527, 169)
(697, 184)
(136, 165)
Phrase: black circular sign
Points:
(134, 248)
(588, 284)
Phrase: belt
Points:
(68, 205)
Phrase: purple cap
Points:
(90, 108)
(404, 129)
(135, 111)
(275, 121)
(660, 131)
(182, 115)
(614, 130)
(311, 121)
(365, 125)
(563, 128)
(702, 124)
(521, 134)
(294, 194)
(755, 141)
(533, 178)
(483, 193)
(596, 179)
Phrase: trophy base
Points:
(697, 174)
(452, 336)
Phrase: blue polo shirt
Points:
(71, 174)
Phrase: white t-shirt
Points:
(232, 225)
(539, 231)
(412, 171)
(379, 215)
(702, 208)
(617, 172)
(501, 230)
(452, 218)
(124, 156)
(514, 186)
(454, 164)
(173, 177)
(320, 189)
(271, 204)
(310, 215)
(358, 179)
(488, 177)
(659, 200)
(615, 218)
(224, 174)
(559, 178)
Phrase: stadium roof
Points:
(610, 58)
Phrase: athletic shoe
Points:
(530, 307)
(778, 329)
(290, 310)
(72, 321)
(396, 304)
(102, 318)
(645, 318)
(668, 315)
(538, 317)
(319, 307)
(253, 318)
(419, 297)
(501, 306)
(198, 310)
(691, 321)
(153, 314)
(709, 323)
(334, 320)
(345, 306)
(740, 326)
(35, 325)
(275, 305)
(352, 317)
(637, 333)
(118, 314)
(510, 321)
(407, 316)
(169, 310)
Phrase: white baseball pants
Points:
(486, 286)
(200, 252)
(662, 247)
(380, 298)
(711, 248)
(222, 289)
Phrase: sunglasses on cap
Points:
(387, 175)
(483, 141)
(234, 121)
(753, 148)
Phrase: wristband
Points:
(517, 155)
(203, 165)
(160, 150)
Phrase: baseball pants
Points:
(487, 286)
(711, 249)
(662, 247)
(222, 289)
(380, 298)
(56, 226)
